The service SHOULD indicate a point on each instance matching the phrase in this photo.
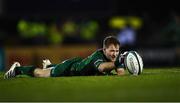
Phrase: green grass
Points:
(159, 85)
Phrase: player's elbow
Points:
(101, 68)
(104, 67)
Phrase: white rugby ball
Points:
(133, 63)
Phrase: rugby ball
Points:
(133, 63)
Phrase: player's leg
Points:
(11, 72)
(42, 72)
(64, 68)
(17, 69)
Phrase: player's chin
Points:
(113, 59)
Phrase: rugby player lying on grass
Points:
(101, 62)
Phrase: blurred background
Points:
(32, 30)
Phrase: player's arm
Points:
(119, 67)
(106, 66)
(119, 64)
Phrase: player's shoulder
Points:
(98, 52)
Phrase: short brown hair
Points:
(110, 40)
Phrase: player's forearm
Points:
(107, 66)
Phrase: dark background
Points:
(156, 47)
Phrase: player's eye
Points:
(112, 50)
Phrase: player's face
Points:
(111, 52)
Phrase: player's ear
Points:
(104, 49)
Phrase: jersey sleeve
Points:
(97, 62)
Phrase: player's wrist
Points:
(119, 63)
(116, 63)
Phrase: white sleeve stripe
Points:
(99, 60)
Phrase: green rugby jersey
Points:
(89, 65)
(78, 66)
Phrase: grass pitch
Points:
(153, 85)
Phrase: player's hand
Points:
(119, 63)
(120, 71)
(125, 53)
